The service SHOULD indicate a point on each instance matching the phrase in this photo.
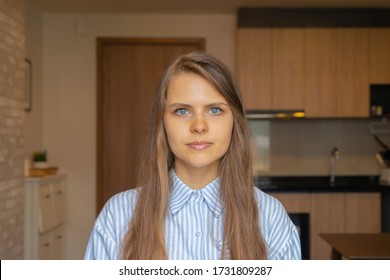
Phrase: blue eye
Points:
(215, 111)
(181, 111)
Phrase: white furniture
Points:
(44, 217)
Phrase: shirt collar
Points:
(181, 193)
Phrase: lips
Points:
(199, 145)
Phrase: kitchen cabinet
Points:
(334, 213)
(336, 75)
(326, 215)
(321, 70)
(269, 68)
(287, 69)
(362, 213)
(295, 203)
(379, 39)
(45, 217)
(253, 65)
(352, 87)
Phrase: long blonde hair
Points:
(242, 235)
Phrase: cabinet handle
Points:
(47, 196)
(59, 192)
(59, 236)
(47, 244)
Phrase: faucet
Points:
(334, 155)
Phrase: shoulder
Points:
(111, 226)
(271, 211)
(267, 203)
(120, 207)
(279, 232)
(122, 200)
(117, 212)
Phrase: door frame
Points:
(101, 42)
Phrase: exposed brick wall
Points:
(12, 55)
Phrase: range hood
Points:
(275, 114)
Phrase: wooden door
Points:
(128, 75)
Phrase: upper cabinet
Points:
(284, 64)
(336, 72)
(352, 87)
(320, 66)
(287, 69)
(269, 68)
(254, 61)
(379, 54)
(321, 70)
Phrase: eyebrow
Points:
(183, 105)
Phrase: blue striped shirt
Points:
(194, 224)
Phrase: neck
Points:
(196, 178)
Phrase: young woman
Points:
(196, 199)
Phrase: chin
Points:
(198, 164)
(201, 163)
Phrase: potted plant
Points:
(40, 159)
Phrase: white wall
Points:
(70, 94)
(34, 52)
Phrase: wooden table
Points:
(359, 246)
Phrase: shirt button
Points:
(198, 234)
(196, 195)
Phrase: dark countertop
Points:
(320, 184)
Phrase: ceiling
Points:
(189, 6)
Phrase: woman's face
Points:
(198, 122)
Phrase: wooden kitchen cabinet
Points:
(334, 213)
(362, 213)
(379, 56)
(336, 72)
(269, 68)
(321, 70)
(287, 69)
(44, 236)
(326, 215)
(295, 203)
(253, 64)
(352, 88)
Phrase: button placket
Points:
(196, 203)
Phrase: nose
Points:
(199, 125)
